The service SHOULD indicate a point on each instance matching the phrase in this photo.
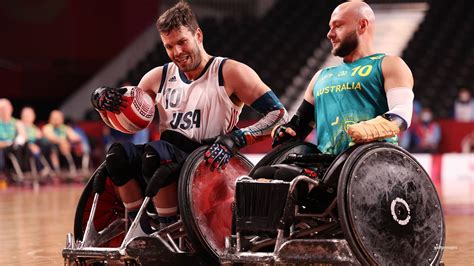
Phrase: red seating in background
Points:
(452, 133)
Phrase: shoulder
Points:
(234, 71)
(394, 64)
(317, 74)
(47, 127)
(151, 81)
(233, 67)
(392, 61)
(315, 77)
(153, 75)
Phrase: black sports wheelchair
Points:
(372, 204)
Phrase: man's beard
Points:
(347, 46)
(195, 59)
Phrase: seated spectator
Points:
(66, 142)
(426, 133)
(12, 137)
(85, 146)
(467, 144)
(37, 145)
(464, 106)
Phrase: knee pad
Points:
(158, 153)
(122, 162)
(150, 162)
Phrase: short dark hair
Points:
(177, 16)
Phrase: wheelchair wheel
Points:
(109, 209)
(205, 202)
(388, 207)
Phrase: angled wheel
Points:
(280, 153)
(109, 209)
(388, 207)
(205, 200)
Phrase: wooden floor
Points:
(34, 224)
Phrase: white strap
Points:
(400, 102)
(133, 205)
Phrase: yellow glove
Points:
(373, 129)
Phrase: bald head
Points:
(351, 29)
(6, 109)
(355, 10)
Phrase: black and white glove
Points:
(299, 127)
(221, 151)
(279, 135)
(107, 98)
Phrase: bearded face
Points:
(191, 59)
(346, 45)
(182, 48)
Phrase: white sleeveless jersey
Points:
(198, 109)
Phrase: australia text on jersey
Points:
(339, 88)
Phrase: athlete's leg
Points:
(123, 161)
(161, 160)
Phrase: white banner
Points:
(457, 179)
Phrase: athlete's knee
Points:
(150, 162)
(119, 164)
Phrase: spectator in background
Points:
(464, 106)
(112, 136)
(36, 144)
(84, 148)
(12, 135)
(66, 142)
(426, 133)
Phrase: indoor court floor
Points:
(34, 224)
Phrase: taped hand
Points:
(372, 130)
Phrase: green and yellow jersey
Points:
(347, 94)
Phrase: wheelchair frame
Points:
(322, 237)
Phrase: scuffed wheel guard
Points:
(205, 200)
(389, 209)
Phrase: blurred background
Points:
(53, 53)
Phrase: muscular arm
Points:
(151, 81)
(244, 86)
(398, 85)
(396, 73)
(399, 90)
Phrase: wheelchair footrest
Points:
(152, 251)
(92, 253)
(299, 251)
(320, 250)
